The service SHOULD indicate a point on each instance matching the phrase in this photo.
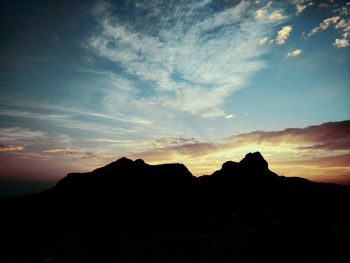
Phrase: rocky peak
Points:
(254, 161)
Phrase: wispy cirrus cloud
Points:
(18, 134)
(72, 119)
(56, 113)
(66, 150)
(11, 148)
(34, 115)
(192, 57)
(74, 153)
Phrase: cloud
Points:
(10, 148)
(262, 13)
(333, 145)
(190, 58)
(230, 116)
(193, 149)
(263, 41)
(323, 148)
(301, 5)
(190, 151)
(276, 16)
(283, 34)
(186, 151)
(332, 169)
(332, 135)
(182, 146)
(342, 160)
(341, 24)
(325, 24)
(107, 123)
(291, 152)
(18, 134)
(294, 53)
(259, 13)
(344, 26)
(63, 114)
(341, 43)
(76, 154)
(67, 150)
(35, 115)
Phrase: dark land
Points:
(129, 211)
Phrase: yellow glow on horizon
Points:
(284, 158)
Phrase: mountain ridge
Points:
(128, 183)
(128, 207)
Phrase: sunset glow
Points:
(198, 82)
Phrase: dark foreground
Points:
(133, 212)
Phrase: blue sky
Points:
(94, 80)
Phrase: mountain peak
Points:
(123, 160)
(252, 166)
(122, 163)
(254, 161)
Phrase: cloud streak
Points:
(10, 148)
(328, 136)
(332, 135)
(17, 134)
(192, 58)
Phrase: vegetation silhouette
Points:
(131, 211)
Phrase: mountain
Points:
(127, 183)
(130, 211)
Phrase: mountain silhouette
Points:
(127, 183)
(242, 212)
(237, 185)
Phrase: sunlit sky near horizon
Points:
(199, 82)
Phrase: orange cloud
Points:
(319, 152)
(331, 135)
(67, 150)
(334, 169)
(10, 148)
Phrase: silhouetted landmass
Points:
(131, 211)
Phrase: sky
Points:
(83, 83)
